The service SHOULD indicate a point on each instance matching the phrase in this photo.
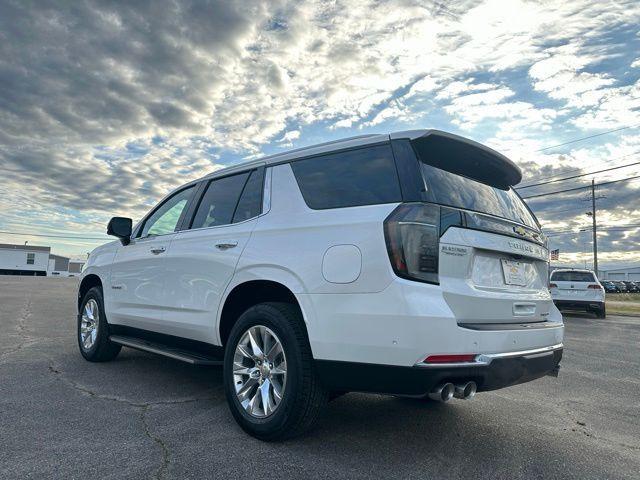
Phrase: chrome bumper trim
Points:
(484, 359)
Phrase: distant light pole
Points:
(584, 243)
(592, 214)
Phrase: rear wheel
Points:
(601, 312)
(93, 329)
(269, 377)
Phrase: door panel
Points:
(138, 272)
(199, 266)
(137, 279)
(201, 261)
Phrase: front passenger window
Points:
(165, 218)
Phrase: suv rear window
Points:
(454, 190)
(366, 176)
(572, 277)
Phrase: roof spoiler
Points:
(465, 157)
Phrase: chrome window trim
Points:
(484, 359)
(266, 194)
(229, 171)
(219, 226)
(265, 206)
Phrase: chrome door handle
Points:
(158, 250)
(226, 246)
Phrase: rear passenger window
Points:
(250, 204)
(219, 201)
(365, 176)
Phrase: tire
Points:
(100, 349)
(302, 396)
(602, 312)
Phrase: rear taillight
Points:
(553, 285)
(595, 286)
(412, 234)
(466, 357)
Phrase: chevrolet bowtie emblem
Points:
(520, 231)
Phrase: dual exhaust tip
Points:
(446, 391)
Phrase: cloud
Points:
(594, 97)
(288, 138)
(109, 106)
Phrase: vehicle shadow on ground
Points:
(358, 432)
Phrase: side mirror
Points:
(120, 227)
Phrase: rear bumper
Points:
(406, 322)
(579, 304)
(490, 372)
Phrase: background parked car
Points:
(610, 287)
(621, 286)
(631, 287)
(574, 289)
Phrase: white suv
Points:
(402, 264)
(577, 290)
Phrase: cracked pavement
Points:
(144, 416)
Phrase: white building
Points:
(627, 273)
(75, 267)
(63, 266)
(36, 261)
(58, 266)
(24, 259)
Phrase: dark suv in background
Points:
(610, 287)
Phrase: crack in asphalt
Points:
(21, 327)
(164, 465)
(143, 407)
(115, 398)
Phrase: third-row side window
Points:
(365, 176)
(250, 203)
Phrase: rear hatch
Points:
(491, 278)
(472, 234)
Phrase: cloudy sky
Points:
(106, 106)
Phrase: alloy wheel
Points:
(89, 324)
(259, 371)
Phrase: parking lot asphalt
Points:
(144, 416)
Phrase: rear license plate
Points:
(570, 292)
(514, 272)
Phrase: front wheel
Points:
(269, 376)
(93, 329)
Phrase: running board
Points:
(183, 355)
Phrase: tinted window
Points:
(219, 201)
(365, 176)
(250, 204)
(572, 277)
(448, 188)
(165, 218)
